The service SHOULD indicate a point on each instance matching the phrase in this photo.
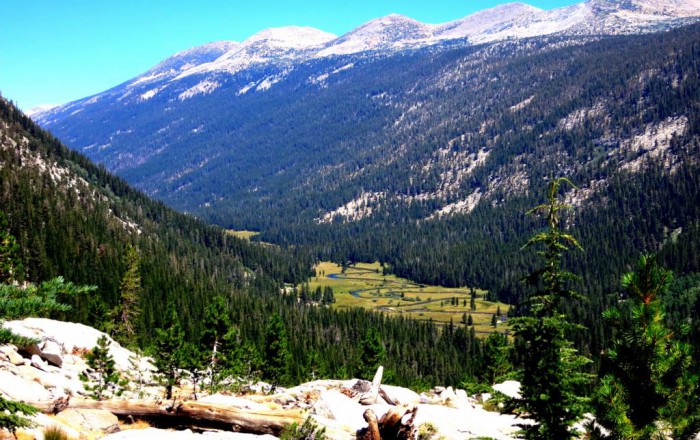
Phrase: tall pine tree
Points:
(552, 381)
(169, 351)
(277, 358)
(127, 313)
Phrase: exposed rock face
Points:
(62, 338)
(401, 396)
(90, 420)
(18, 388)
(9, 353)
(510, 388)
(335, 405)
(51, 367)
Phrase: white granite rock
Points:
(71, 337)
(38, 362)
(510, 388)
(401, 396)
(52, 352)
(337, 406)
(10, 354)
(162, 434)
(18, 388)
(455, 423)
(42, 421)
(89, 420)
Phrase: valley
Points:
(364, 285)
(512, 197)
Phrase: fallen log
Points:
(189, 412)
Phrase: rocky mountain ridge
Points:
(293, 44)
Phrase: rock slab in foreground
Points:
(90, 420)
(162, 434)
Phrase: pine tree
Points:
(276, 352)
(496, 359)
(168, 354)
(373, 354)
(11, 269)
(127, 313)
(552, 378)
(652, 386)
(220, 343)
(104, 373)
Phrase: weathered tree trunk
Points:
(373, 428)
(237, 419)
(391, 426)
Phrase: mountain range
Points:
(399, 135)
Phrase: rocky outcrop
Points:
(58, 339)
(50, 367)
(161, 434)
(49, 370)
(95, 421)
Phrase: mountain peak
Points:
(483, 21)
(290, 37)
(186, 59)
(390, 31)
(668, 8)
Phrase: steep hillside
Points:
(427, 158)
(74, 219)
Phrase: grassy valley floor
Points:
(364, 285)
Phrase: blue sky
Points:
(53, 52)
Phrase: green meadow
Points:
(246, 235)
(364, 285)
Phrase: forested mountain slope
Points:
(74, 219)
(428, 158)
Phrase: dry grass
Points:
(136, 424)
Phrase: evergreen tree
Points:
(277, 357)
(219, 342)
(127, 313)
(552, 381)
(11, 269)
(168, 354)
(496, 359)
(372, 355)
(651, 389)
(104, 374)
